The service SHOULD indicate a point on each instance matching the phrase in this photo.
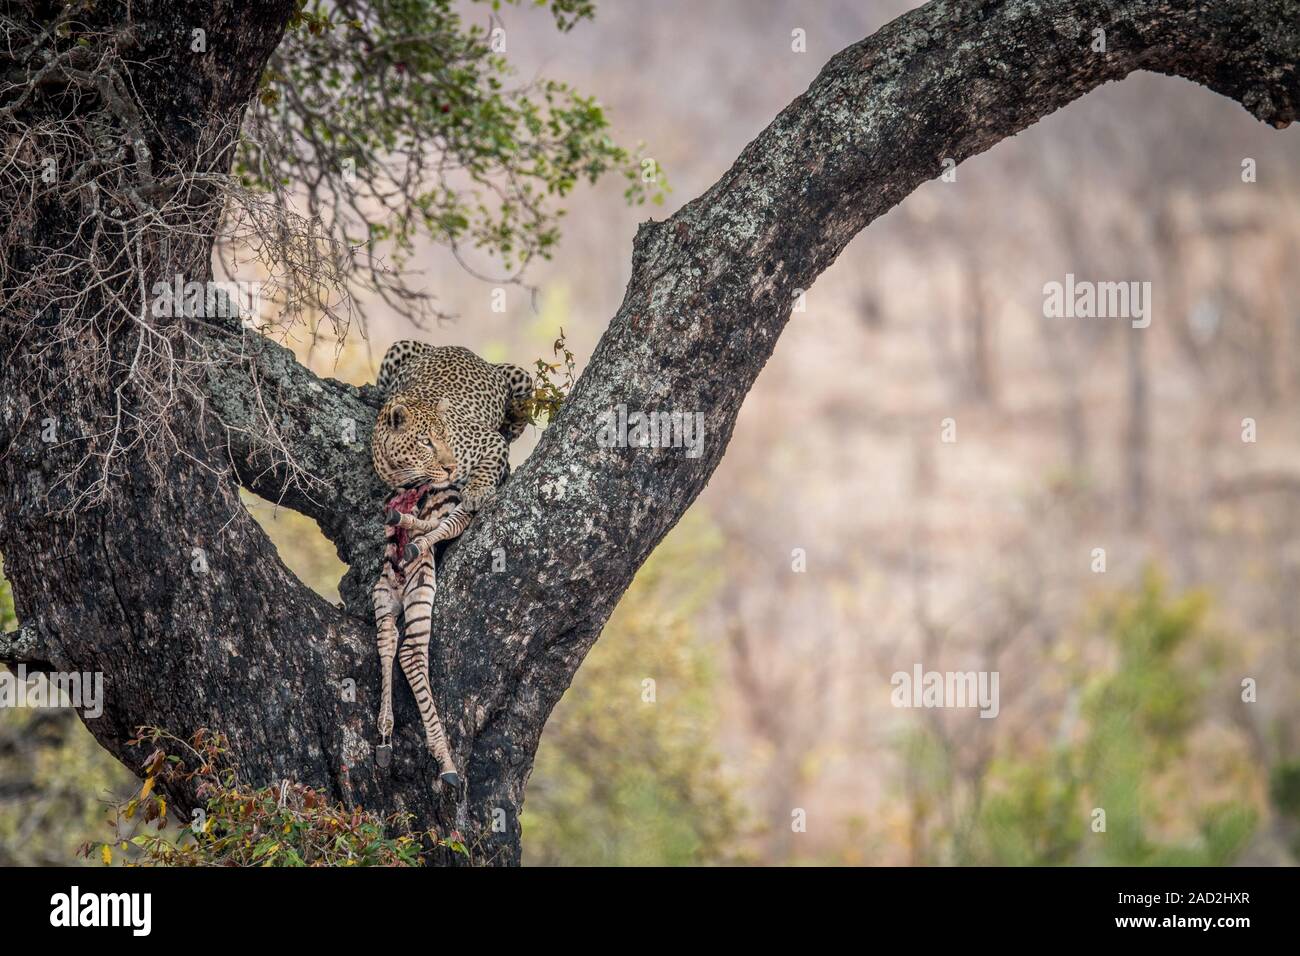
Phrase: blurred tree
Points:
(54, 779)
(622, 780)
(1284, 789)
(7, 617)
(1135, 732)
(406, 119)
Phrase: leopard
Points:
(448, 418)
(441, 442)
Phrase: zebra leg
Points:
(398, 519)
(427, 534)
(417, 602)
(385, 599)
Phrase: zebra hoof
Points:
(451, 779)
(410, 554)
(394, 517)
(383, 755)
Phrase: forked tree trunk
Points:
(247, 649)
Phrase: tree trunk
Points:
(243, 647)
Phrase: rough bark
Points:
(249, 650)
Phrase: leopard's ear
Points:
(443, 405)
(398, 416)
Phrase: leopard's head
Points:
(411, 445)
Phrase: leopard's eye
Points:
(428, 443)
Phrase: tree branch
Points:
(24, 646)
(301, 441)
(712, 288)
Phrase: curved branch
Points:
(712, 288)
(302, 441)
(24, 646)
(710, 292)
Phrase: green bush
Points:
(239, 825)
(1137, 719)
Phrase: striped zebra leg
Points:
(417, 601)
(453, 522)
(386, 604)
(427, 534)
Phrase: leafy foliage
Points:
(291, 825)
(1284, 787)
(1284, 790)
(398, 119)
(1137, 720)
(548, 393)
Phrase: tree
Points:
(141, 564)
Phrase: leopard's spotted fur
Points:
(448, 419)
(440, 439)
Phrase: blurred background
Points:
(842, 540)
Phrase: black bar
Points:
(327, 906)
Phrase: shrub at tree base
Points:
(289, 825)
